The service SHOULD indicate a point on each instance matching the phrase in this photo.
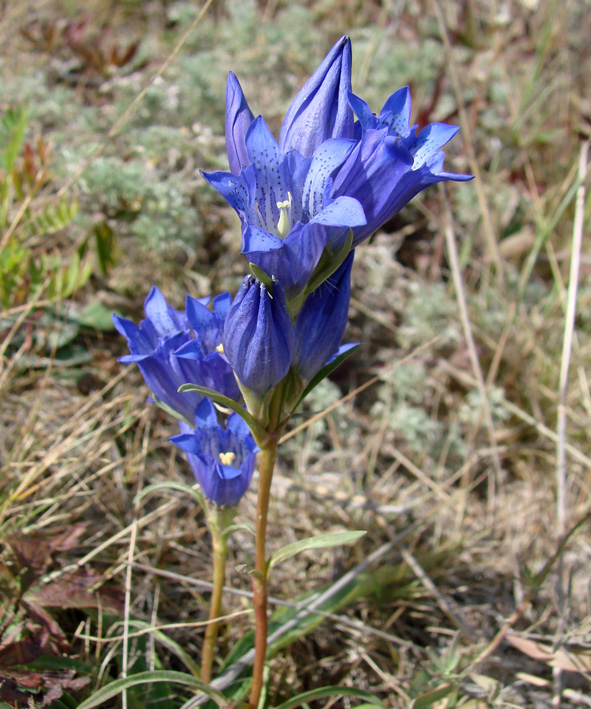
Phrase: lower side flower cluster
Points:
(243, 349)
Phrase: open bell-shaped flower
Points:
(391, 162)
(222, 460)
(258, 337)
(152, 346)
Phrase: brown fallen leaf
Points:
(81, 589)
(569, 659)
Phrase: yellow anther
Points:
(220, 348)
(227, 458)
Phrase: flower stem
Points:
(259, 579)
(220, 552)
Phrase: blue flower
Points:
(321, 323)
(258, 336)
(321, 108)
(222, 460)
(390, 162)
(282, 201)
(154, 343)
(211, 366)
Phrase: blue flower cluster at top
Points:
(298, 198)
(305, 202)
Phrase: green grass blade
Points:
(323, 692)
(115, 688)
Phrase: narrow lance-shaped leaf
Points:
(326, 370)
(228, 403)
(322, 541)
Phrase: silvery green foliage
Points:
(430, 311)
(471, 410)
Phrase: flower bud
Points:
(321, 108)
(238, 118)
(321, 323)
(258, 336)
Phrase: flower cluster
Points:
(173, 348)
(337, 173)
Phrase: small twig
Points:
(489, 233)
(569, 325)
(468, 336)
(447, 605)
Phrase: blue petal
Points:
(190, 350)
(164, 318)
(139, 344)
(362, 111)
(238, 426)
(187, 442)
(321, 322)
(231, 188)
(429, 140)
(221, 305)
(205, 414)
(272, 179)
(321, 110)
(396, 112)
(255, 240)
(205, 324)
(290, 261)
(238, 118)
(327, 158)
(343, 211)
(258, 336)
(435, 166)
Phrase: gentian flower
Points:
(321, 323)
(321, 108)
(281, 199)
(258, 337)
(391, 163)
(279, 189)
(153, 345)
(214, 370)
(222, 460)
(298, 198)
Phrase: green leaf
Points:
(322, 541)
(12, 131)
(319, 277)
(428, 699)
(115, 688)
(260, 275)
(172, 485)
(322, 692)
(244, 526)
(227, 403)
(97, 316)
(106, 246)
(325, 371)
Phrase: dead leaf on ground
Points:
(569, 659)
